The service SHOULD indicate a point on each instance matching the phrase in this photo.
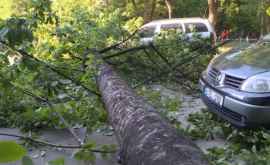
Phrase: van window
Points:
(147, 32)
(266, 37)
(171, 26)
(195, 27)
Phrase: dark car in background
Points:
(236, 85)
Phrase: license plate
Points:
(214, 96)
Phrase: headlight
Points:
(257, 84)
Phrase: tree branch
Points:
(50, 105)
(117, 44)
(182, 62)
(160, 55)
(124, 52)
(76, 82)
(149, 57)
(44, 143)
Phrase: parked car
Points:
(188, 26)
(236, 85)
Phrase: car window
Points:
(267, 37)
(195, 27)
(147, 32)
(177, 27)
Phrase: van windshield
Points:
(147, 32)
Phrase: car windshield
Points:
(147, 32)
(256, 55)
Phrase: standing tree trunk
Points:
(154, 4)
(213, 12)
(267, 24)
(169, 8)
(144, 137)
(149, 9)
(265, 18)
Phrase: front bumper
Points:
(238, 112)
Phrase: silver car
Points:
(236, 85)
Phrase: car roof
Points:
(176, 20)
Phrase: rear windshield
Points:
(147, 32)
(195, 27)
(176, 27)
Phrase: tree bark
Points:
(213, 14)
(169, 8)
(265, 18)
(154, 4)
(144, 137)
(267, 27)
(149, 9)
(147, 12)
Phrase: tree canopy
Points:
(50, 50)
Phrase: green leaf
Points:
(27, 161)
(11, 151)
(59, 161)
(109, 147)
(85, 155)
(268, 11)
(89, 145)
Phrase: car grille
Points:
(228, 81)
(212, 76)
(234, 82)
(233, 115)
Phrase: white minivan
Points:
(188, 26)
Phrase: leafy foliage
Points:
(56, 44)
(201, 130)
(85, 155)
(10, 151)
(55, 77)
(164, 60)
(5, 9)
(16, 31)
(59, 161)
(246, 146)
(27, 161)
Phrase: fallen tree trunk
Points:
(144, 137)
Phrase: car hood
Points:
(244, 63)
